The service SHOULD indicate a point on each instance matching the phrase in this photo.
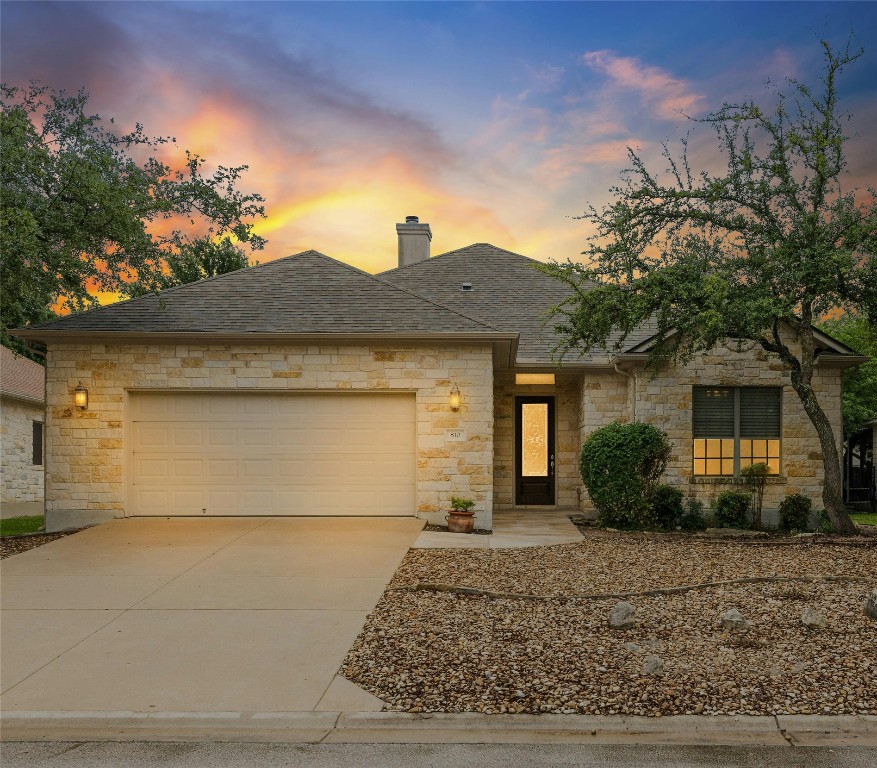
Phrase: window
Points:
(534, 378)
(37, 443)
(734, 427)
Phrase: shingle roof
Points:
(507, 291)
(308, 293)
(21, 377)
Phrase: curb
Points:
(443, 728)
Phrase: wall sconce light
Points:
(80, 396)
(455, 398)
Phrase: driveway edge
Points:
(468, 728)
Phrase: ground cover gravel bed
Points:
(13, 545)
(439, 652)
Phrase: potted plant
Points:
(461, 518)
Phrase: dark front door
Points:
(534, 450)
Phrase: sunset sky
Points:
(494, 122)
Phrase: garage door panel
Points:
(272, 454)
(225, 437)
(154, 437)
(152, 468)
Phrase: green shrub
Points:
(692, 518)
(667, 508)
(824, 525)
(756, 478)
(461, 505)
(730, 509)
(795, 512)
(620, 466)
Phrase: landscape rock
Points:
(733, 619)
(652, 665)
(632, 647)
(871, 605)
(622, 616)
(776, 667)
(812, 618)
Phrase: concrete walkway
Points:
(193, 615)
(471, 728)
(511, 528)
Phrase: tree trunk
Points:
(832, 489)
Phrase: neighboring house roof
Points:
(21, 378)
(308, 293)
(507, 291)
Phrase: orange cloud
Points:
(669, 96)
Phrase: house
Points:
(22, 415)
(305, 386)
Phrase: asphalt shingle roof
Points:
(507, 291)
(308, 293)
(21, 377)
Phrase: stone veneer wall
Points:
(665, 401)
(86, 450)
(567, 437)
(22, 481)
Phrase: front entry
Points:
(534, 450)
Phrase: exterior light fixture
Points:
(80, 396)
(455, 398)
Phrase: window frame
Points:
(735, 390)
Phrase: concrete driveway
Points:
(182, 615)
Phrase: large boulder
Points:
(733, 619)
(622, 616)
(652, 665)
(812, 618)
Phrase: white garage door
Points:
(272, 454)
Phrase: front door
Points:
(534, 450)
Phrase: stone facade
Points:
(86, 479)
(567, 437)
(665, 401)
(22, 480)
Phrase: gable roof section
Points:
(507, 291)
(306, 294)
(21, 378)
(829, 349)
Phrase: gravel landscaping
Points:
(433, 651)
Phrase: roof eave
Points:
(27, 399)
(154, 337)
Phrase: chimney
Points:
(414, 240)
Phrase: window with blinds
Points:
(733, 427)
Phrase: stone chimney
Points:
(414, 240)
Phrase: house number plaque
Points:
(455, 435)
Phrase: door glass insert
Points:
(534, 439)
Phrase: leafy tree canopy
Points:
(86, 208)
(759, 251)
(859, 384)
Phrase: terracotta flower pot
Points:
(460, 522)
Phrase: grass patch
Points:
(865, 519)
(25, 524)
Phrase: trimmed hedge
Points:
(730, 509)
(795, 512)
(620, 467)
(667, 510)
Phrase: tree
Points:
(85, 208)
(195, 261)
(860, 383)
(758, 253)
